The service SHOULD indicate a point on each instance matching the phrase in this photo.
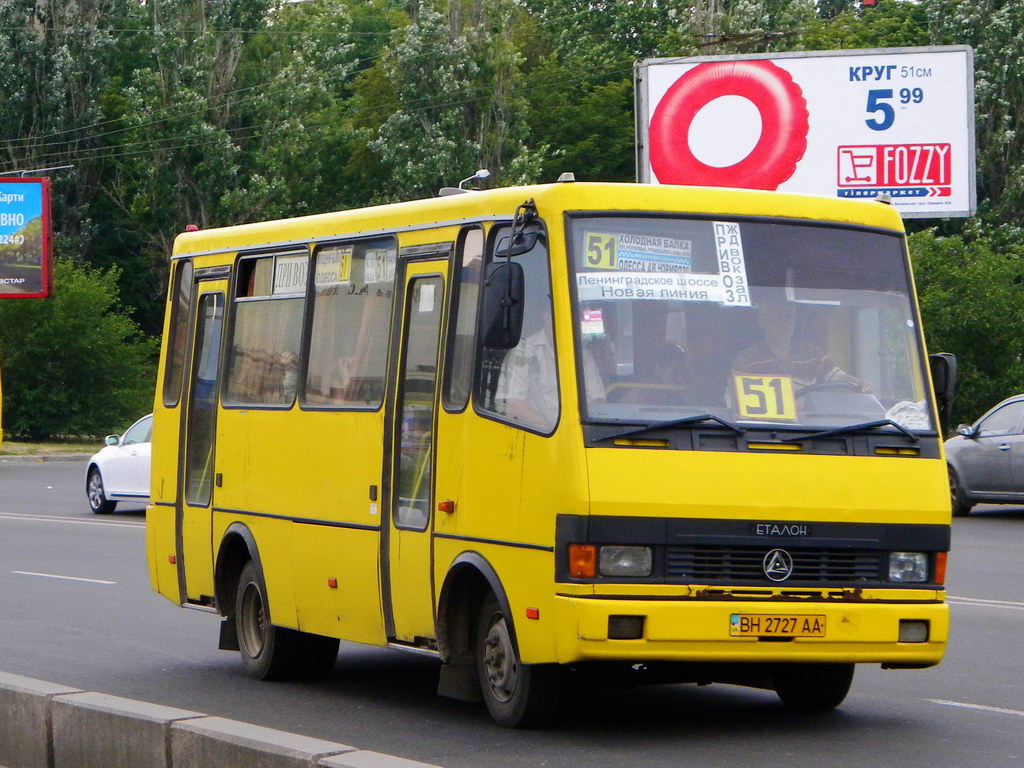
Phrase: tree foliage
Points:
(224, 111)
(75, 364)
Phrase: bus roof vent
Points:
(884, 197)
(191, 228)
(566, 177)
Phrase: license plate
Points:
(776, 625)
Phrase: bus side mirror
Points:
(943, 370)
(516, 244)
(501, 321)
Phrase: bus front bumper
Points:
(709, 631)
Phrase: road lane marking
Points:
(977, 601)
(66, 578)
(980, 707)
(72, 520)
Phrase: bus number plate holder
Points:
(776, 625)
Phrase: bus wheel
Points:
(812, 687)
(276, 653)
(517, 695)
(263, 646)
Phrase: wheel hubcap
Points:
(252, 623)
(500, 663)
(95, 491)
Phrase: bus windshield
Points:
(757, 322)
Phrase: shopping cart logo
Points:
(902, 170)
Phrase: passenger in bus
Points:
(528, 384)
(779, 355)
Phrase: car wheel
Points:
(276, 653)
(98, 500)
(961, 507)
(812, 687)
(517, 695)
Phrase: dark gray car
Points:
(986, 459)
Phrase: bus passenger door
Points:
(193, 519)
(407, 556)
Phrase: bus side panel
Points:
(304, 466)
(273, 542)
(163, 483)
(160, 549)
(511, 484)
(349, 559)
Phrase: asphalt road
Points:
(104, 630)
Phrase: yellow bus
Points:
(677, 434)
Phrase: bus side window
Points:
(352, 293)
(459, 367)
(181, 298)
(263, 352)
(520, 385)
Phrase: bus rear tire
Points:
(812, 687)
(276, 653)
(517, 695)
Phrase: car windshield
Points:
(759, 323)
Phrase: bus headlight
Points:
(908, 566)
(625, 561)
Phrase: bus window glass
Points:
(264, 346)
(774, 324)
(353, 288)
(459, 370)
(414, 479)
(202, 412)
(521, 384)
(181, 298)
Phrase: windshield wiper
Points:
(674, 423)
(853, 428)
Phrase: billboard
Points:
(25, 250)
(851, 123)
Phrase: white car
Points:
(120, 472)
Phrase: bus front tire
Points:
(517, 695)
(812, 687)
(276, 653)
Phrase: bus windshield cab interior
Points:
(763, 324)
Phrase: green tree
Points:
(453, 77)
(970, 298)
(995, 29)
(74, 364)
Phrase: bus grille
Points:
(704, 564)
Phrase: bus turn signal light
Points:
(582, 561)
(940, 567)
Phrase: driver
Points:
(778, 355)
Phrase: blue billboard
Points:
(25, 242)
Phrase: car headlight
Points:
(625, 561)
(908, 566)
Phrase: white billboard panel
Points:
(850, 124)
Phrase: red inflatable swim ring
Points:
(784, 124)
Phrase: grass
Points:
(51, 448)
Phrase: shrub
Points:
(73, 364)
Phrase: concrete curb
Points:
(45, 725)
(46, 457)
